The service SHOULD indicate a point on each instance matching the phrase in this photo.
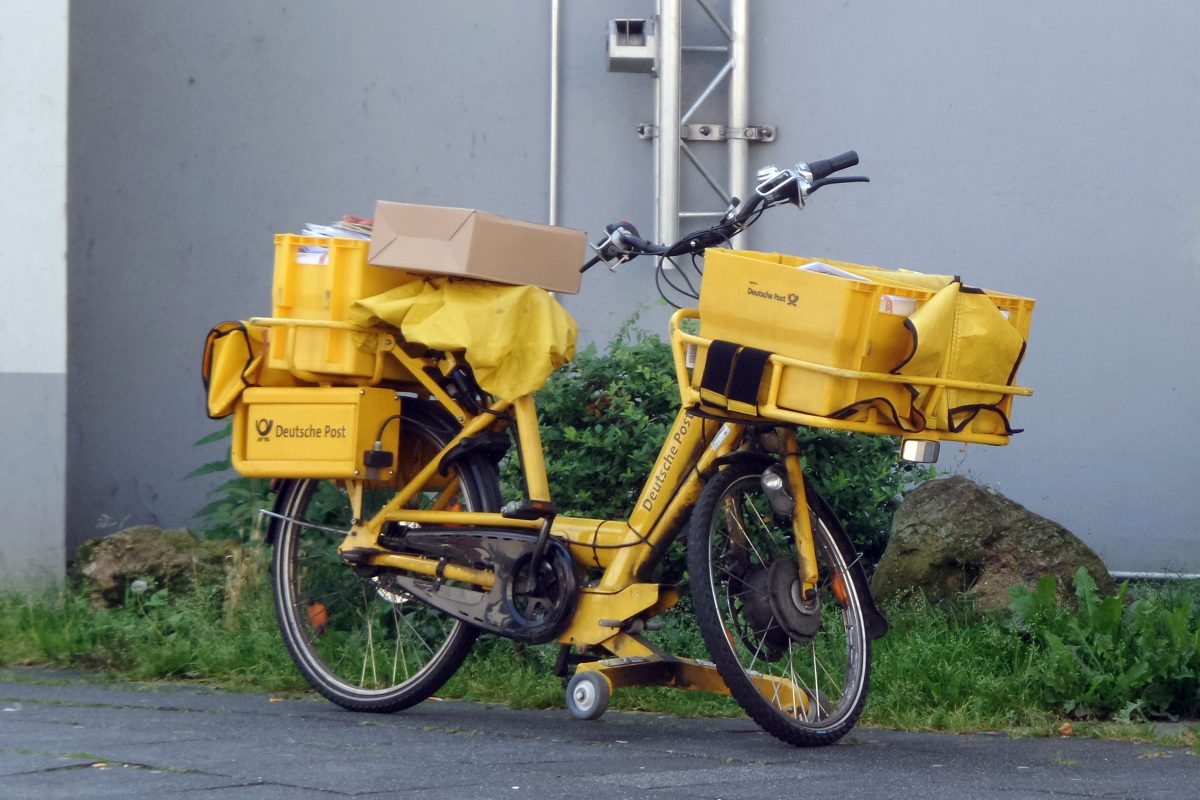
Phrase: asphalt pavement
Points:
(67, 736)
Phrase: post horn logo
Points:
(263, 426)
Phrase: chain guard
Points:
(515, 607)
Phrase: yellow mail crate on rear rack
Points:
(313, 432)
(846, 317)
(318, 279)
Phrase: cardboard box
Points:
(469, 243)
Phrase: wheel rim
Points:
(357, 637)
(814, 685)
(584, 696)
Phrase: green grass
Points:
(941, 667)
(951, 668)
(222, 634)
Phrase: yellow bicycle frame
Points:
(614, 559)
(619, 555)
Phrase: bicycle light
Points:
(919, 451)
(775, 485)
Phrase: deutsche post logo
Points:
(263, 426)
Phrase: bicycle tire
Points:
(340, 626)
(740, 630)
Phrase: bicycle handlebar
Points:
(826, 167)
(776, 187)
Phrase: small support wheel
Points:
(588, 694)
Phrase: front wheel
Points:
(798, 666)
(359, 638)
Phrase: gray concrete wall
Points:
(33, 429)
(1043, 149)
(33, 272)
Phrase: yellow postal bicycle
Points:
(393, 550)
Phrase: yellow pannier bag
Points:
(234, 359)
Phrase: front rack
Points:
(870, 420)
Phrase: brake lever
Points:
(841, 179)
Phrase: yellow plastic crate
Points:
(324, 292)
(762, 300)
(312, 432)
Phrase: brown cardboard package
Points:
(468, 243)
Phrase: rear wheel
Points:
(358, 638)
(800, 667)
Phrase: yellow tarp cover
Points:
(959, 333)
(512, 336)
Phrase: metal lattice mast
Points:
(636, 46)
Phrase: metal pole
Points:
(739, 96)
(554, 25)
(667, 144)
(1155, 576)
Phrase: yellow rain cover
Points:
(512, 336)
(961, 335)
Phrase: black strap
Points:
(732, 375)
(967, 414)
(915, 424)
(718, 364)
(747, 375)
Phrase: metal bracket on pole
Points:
(712, 132)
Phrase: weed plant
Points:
(1119, 655)
(947, 666)
(233, 512)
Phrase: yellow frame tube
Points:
(435, 569)
(669, 492)
(529, 439)
(801, 519)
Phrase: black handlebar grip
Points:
(825, 168)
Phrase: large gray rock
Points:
(952, 536)
(174, 559)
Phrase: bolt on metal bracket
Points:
(711, 132)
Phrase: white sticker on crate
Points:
(895, 304)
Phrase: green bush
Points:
(234, 512)
(605, 415)
(603, 419)
(1113, 656)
